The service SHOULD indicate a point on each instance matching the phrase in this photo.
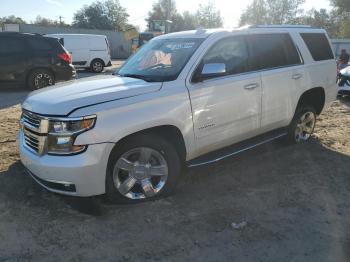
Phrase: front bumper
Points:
(78, 175)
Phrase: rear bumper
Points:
(64, 73)
(109, 63)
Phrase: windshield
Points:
(160, 60)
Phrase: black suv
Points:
(33, 60)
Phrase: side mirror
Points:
(213, 69)
(209, 71)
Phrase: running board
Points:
(236, 149)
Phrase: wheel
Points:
(40, 78)
(302, 125)
(97, 65)
(141, 168)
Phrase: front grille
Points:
(32, 141)
(31, 119)
(34, 129)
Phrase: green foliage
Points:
(341, 14)
(206, 16)
(319, 19)
(11, 20)
(271, 12)
(107, 15)
(48, 22)
(341, 5)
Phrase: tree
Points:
(256, 13)
(165, 10)
(11, 20)
(48, 22)
(342, 17)
(341, 5)
(208, 17)
(108, 15)
(162, 10)
(320, 19)
(271, 12)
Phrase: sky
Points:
(137, 9)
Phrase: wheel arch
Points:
(38, 68)
(169, 132)
(314, 97)
(97, 58)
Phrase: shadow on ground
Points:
(295, 200)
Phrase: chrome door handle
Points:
(297, 76)
(251, 86)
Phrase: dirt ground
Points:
(294, 199)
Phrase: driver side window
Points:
(231, 51)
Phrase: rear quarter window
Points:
(318, 45)
(40, 44)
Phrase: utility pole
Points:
(60, 17)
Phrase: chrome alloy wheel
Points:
(42, 80)
(140, 173)
(305, 127)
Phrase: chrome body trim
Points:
(238, 151)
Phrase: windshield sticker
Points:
(181, 46)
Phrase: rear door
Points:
(99, 48)
(282, 73)
(79, 47)
(13, 60)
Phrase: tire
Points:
(302, 125)
(97, 66)
(132, 163)
(40, 78)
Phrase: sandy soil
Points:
(294, 199)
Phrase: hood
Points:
(62, 98)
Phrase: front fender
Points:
(118, 119)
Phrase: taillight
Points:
(65, 57)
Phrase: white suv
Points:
(187, 98)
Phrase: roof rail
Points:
(19, 33)
(281, 26)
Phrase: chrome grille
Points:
(34, 128)
(31, 119)
(31, 141)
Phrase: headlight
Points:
(63, 132)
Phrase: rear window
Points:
(11, 46)
(40, 44)
(272, 51)
(318, 45)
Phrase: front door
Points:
(226, 107)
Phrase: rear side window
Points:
(40, 44)
(272, 51)
(11, 46)
(318, 45)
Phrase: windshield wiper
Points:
(145, 78)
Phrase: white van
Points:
(88, 51)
